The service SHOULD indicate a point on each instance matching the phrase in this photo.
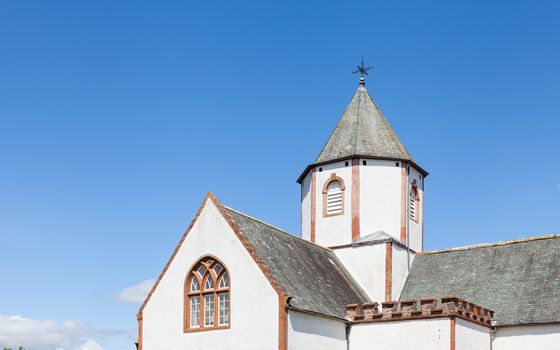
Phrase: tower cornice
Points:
(299, 180)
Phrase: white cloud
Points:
(90, 345)
(135, 294)
(34, 334)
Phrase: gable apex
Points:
(224, 213)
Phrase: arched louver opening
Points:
(207, 296)
(414, 200)
(333, 197)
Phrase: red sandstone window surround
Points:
(414, 199)
(207, 296)
(333, 196)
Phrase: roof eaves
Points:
(310, 166)
(507, 325)
(315, 313)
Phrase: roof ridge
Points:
(490, 245)
(363, 128)
(361, 90)
(392, 133)
(335, 127)
(278, 229)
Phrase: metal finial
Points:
(363, 70)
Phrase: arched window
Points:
(333, 196)
(414, 199)
(207, 296)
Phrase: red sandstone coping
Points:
(425, 308)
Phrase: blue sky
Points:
(117, 117)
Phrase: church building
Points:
(358, 278)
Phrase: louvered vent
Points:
(334, 198)
(414, 204)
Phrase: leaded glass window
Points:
(224, 281)
(209, 310)
(195, 311)
(223, 308)
(207, 296)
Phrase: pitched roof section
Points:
(519, 280)
(363, 130)
(311, 275)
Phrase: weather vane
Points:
(363, 70)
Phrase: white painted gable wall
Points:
(254, 304)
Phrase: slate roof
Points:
(311, 275)
(519, 280)
(363, 130)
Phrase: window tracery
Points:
(207, 296)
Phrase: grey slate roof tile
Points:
(520, 281)
(311, 275)
(363, 130)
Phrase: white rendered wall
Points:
(415, 228)
(333, 230)
(527, 337)
(307, 332)
(366, 263)
(432, 334)
(306, 207)
(380, 197)
(400, 269)
(471, 336)
(254, 304)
